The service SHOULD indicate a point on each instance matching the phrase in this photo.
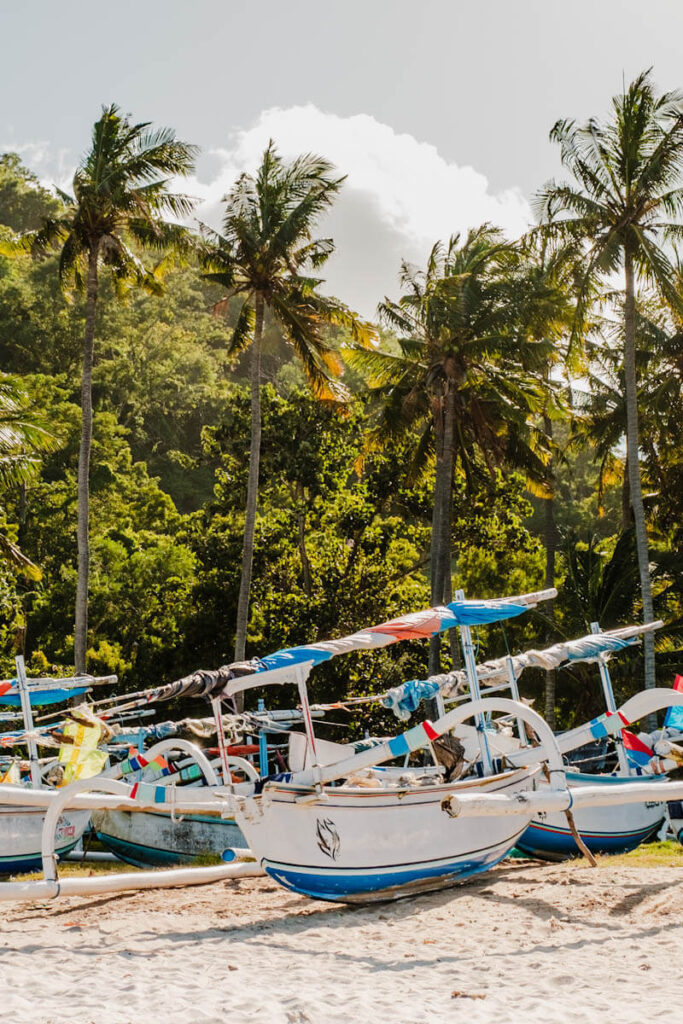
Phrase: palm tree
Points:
(264, 258)
(23, 438)
(465, 377)
(660, 401)
(623, 205)
(121, 190)
(546, 276)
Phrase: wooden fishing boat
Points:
(21, 827)
(611, 829)
(20, 836)
(359, 844)
(382, 834)
(160, 838)
(157, 839)
(619, 827)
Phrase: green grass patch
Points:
(77, 869)
(650, 855)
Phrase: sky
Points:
(437, 111)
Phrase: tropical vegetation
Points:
(205, 457)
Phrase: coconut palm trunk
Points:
(83, 534)
(252, 486)
(444, 424)
(626, 517)
(632, 446)
(626, 202)
(550, 538)
(120, 192)
(550, 544)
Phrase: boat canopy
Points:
(43, 692)
(284, 666)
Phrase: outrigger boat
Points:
(407, 844)
(616, 829)
(160, 838)
(351, 831)
(598, 829)
(21, 826)
(340, 826)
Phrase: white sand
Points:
(521, 943)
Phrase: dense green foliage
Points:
(346, 491)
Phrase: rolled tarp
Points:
(401, 699)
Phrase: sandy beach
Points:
(523, 942)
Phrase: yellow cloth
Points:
(12, 775)
(80, 758)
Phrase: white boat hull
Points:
(363, 844)
(615, 829)
(21, 831)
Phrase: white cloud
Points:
(400, 195)
(51, 166)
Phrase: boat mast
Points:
(301, 674)
(611, 704)
(27, 713)
(475, 695)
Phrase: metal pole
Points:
(473, 681)
(611, 704)
(306, 711)
(514, 690)
(222, 748)
(262, 744)
(22, 686)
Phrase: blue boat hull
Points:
(556, 844)
(368, 885)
